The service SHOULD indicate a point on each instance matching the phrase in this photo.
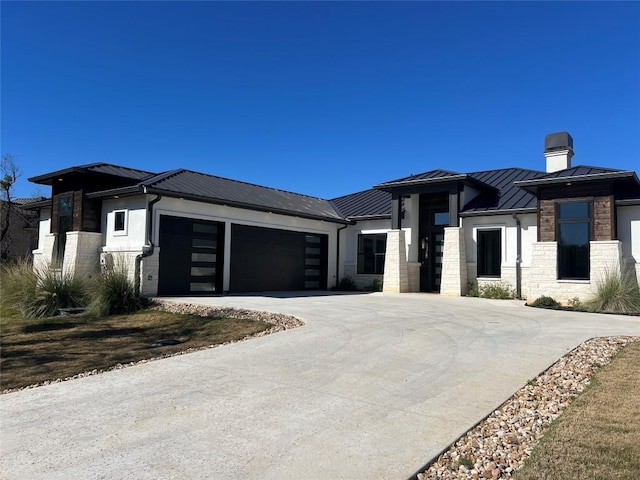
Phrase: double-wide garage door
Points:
(262, 259)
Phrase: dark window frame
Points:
(570, 265)
(485, 267)
(371, 262)
(123, 229)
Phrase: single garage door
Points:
(191, 256)
(268, 259)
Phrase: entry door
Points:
(434, 216)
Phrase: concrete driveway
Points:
(372, 387)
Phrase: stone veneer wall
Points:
(413, 270)
(605, 256)
(396, 277)
(454, 263)
(149, 269)
(362, 281)
(82, 253)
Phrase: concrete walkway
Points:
(372, 387)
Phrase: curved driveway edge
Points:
(373, 386)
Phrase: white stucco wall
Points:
(349, 249)
(132, 238)
(628, 224)
(509, 232)
(43, 255)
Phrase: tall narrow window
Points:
(371, 250)
(489, 253)
(574, 233)
(65, 224)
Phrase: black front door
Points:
(434, 216)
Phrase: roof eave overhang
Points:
(628, 202)
(50, 178)
(533, 185)
(117, 192)
(405, 187)
(361, 218)
(487, 213)
(245, 206)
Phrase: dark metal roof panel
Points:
(368, 203)
(438, 173)
(579, 170)
(221, 190)
(509, 196)
(119, 171)
(100, 168)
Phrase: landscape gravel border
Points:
(279, 322)
(499, 444)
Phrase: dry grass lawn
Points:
(598, 436)
(35, 351)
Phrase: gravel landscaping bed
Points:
(278, 321)
(501, 443)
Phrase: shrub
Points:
(113, 293)
(545, 301)
(497, 290)
(41, 293)
(346, 284)
(616, 292)
(375, 286)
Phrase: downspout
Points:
(518, 256)
(338, 253)
(147, 248)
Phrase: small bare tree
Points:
(9, 174)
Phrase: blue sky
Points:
(322, 98)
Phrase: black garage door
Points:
(267, 259)
(191, 256)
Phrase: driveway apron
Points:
(372, 386)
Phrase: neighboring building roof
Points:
(370, 203)
(26, 201)
(99, 168)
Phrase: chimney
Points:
(558, 148)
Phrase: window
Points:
(65, 224)
(371, 250)
(120, 222)
(489, 253)
(573, 234)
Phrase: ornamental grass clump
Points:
(616, 292)
(113, 293)
(41, 292)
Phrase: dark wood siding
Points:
(603, 210)
(546, 221)
(91, 215)
(604, 218)
(77, 211)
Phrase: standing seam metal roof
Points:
(209, 187)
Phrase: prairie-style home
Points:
(554, 231)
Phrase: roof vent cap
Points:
(558, 141)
